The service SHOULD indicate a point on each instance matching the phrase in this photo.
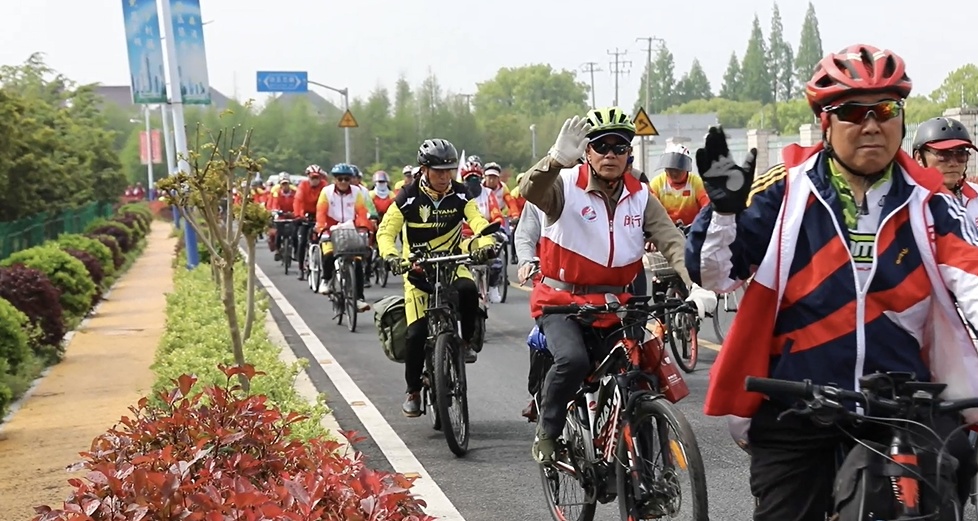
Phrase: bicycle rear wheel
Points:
(504, 277)
(650, 461)
(383, 273)
(287, 253)
(350, 294)
(450, 392)
(315, 259)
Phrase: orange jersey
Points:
(306, 198)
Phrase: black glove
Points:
(726, 183)
(394, 264)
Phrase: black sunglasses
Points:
(961, 155)
(343, 179)
(603, 147)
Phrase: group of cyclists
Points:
(861, 259)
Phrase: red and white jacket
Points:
(588, 247)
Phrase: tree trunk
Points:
(230, 309)
(250, 314)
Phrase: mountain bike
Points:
(617, 441)
(898, 480)
(444, 383)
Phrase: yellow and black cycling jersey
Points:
(420, 219)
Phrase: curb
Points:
(303, 384)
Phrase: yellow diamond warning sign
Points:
(643, 125)
(348, 121)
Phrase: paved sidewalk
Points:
(106, 369)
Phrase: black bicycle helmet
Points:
(945, 133)
(437, 153)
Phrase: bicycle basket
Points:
(348, 242)
(660, 267)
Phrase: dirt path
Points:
(105, 370)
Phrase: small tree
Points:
(216, 168)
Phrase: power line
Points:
(617, 68)
(648, 70)
(591, 67)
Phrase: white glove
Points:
(704, 300)
(571, 142)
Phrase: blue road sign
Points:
(283, 81)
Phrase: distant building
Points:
(121, 95)
(688, 129)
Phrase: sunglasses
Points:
(853, 112)
(343, 179)
(603, 147)
(961, 155)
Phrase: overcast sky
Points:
(365, 43)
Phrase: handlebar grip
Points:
(561, 310)
(779, 388)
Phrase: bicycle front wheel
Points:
(683, 333)
(287, 254)
(655, 448)
(450, 392)
(350, 294)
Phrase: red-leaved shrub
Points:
(118, 259)
(94, 268)
(117, 232)
(218, 454)
(34, 295)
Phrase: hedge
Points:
(196, 340)
(46, 289)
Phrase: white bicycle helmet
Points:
(284, 177)
(676, 156)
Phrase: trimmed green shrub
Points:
(196, 341)
(132, 222)
(120, 232)
(15, 353)
(94, 269)
(118, 259)
(34, 295)
(91, 246)
(67, 273)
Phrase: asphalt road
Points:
(497, 479)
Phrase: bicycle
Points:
(731, 303)
(501, 262)
(379, 268)
(606, 436)
(444, 383)
(285, 228)
(349, 248)
(897, 401)
(682, 327)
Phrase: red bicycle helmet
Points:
(472, 168)
(857, 69)
(315, 170)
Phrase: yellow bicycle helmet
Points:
(610, 120)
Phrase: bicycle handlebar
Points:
(640, 305)
(827, 395)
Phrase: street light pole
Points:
(167, 138)
(179, 126)
(149, 154)
(345, 92)
(648, 93)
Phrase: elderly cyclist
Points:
(946, 145)
(597, 222)
(858, 255)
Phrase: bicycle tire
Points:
(350, 294)
(337, 296)
(661, 409)
(588, 507)
(315, 274)
(688, 365)
(383, 274)
(287, 254)
(448, 351)
(504, 278)
(717, 326)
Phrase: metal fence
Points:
(34, 230)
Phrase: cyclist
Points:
(494, 186)
(598, 219)
(381, 194)
(306, 198)
(680, 191)
(473, 176)
(283, 203)
(856, 252)
(430, 212)
(341, 203)
(946, 145)
(409, 172)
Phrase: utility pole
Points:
(591, 68)
(468, 98)
(617, 68)
(648, 93)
